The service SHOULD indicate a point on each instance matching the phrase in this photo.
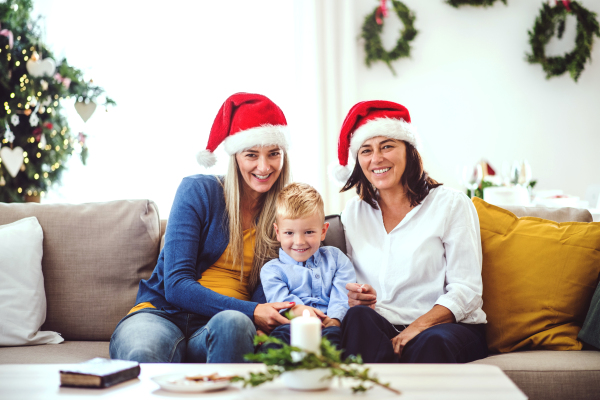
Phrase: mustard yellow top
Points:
(223, 277)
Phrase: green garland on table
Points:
(478, 3)
(280, 360)
(552, 19)
(371, 32)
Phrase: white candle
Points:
(306, 334)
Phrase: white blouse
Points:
(433, 256)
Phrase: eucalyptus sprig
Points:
(280, 360)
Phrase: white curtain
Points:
(325, 45)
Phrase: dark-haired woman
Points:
(415, 245)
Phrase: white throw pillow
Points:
(22, 295)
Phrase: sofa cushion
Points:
(563, 214)
(22, 296)
(67, 352)
(95, 254)
(538, 279)
(552, 375)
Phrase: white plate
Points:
(178, 383)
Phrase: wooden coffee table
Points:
(416, 381)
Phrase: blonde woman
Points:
(199, 304)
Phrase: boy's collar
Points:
(287, 259)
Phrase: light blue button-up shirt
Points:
(319, 282)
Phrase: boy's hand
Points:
(298, 310)
(327, 322)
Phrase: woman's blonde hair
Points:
(266, 245)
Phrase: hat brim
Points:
(265, 135)
(388, 127)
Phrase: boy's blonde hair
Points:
(299, 200)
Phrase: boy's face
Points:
(301, 238)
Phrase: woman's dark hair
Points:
(417, 183)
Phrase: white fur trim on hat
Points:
(388, 127)
(206, 158)
(265, 135)
(339, 174)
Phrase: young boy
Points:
(312, 277)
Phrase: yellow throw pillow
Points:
(538, 279)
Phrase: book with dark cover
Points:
(99, 373)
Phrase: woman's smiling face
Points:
(260, 166)
(383, 161)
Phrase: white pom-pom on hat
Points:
(206, 158)
(339, 174)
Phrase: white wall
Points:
(472, 94)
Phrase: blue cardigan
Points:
(197, 235)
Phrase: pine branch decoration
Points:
(280, 360)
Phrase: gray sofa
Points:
(95, 255)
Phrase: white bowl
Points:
(307, 379)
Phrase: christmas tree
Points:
(35, 137)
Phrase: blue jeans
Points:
(155, 336)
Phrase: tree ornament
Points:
(478, 3)
(2, 181)
(34, 119)
(8, 135)
(12, 159)
(85, 110)
(43, 141)
(44, 85)
(371, 31)
(14, 120)
(38, 68)
(553, 18)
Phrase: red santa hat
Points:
(245, 120)
(366, 120)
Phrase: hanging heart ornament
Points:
(85, 110)
(39, 68)
(12, 159)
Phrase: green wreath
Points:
(484, 3)
(371, 32)
(543, 30)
